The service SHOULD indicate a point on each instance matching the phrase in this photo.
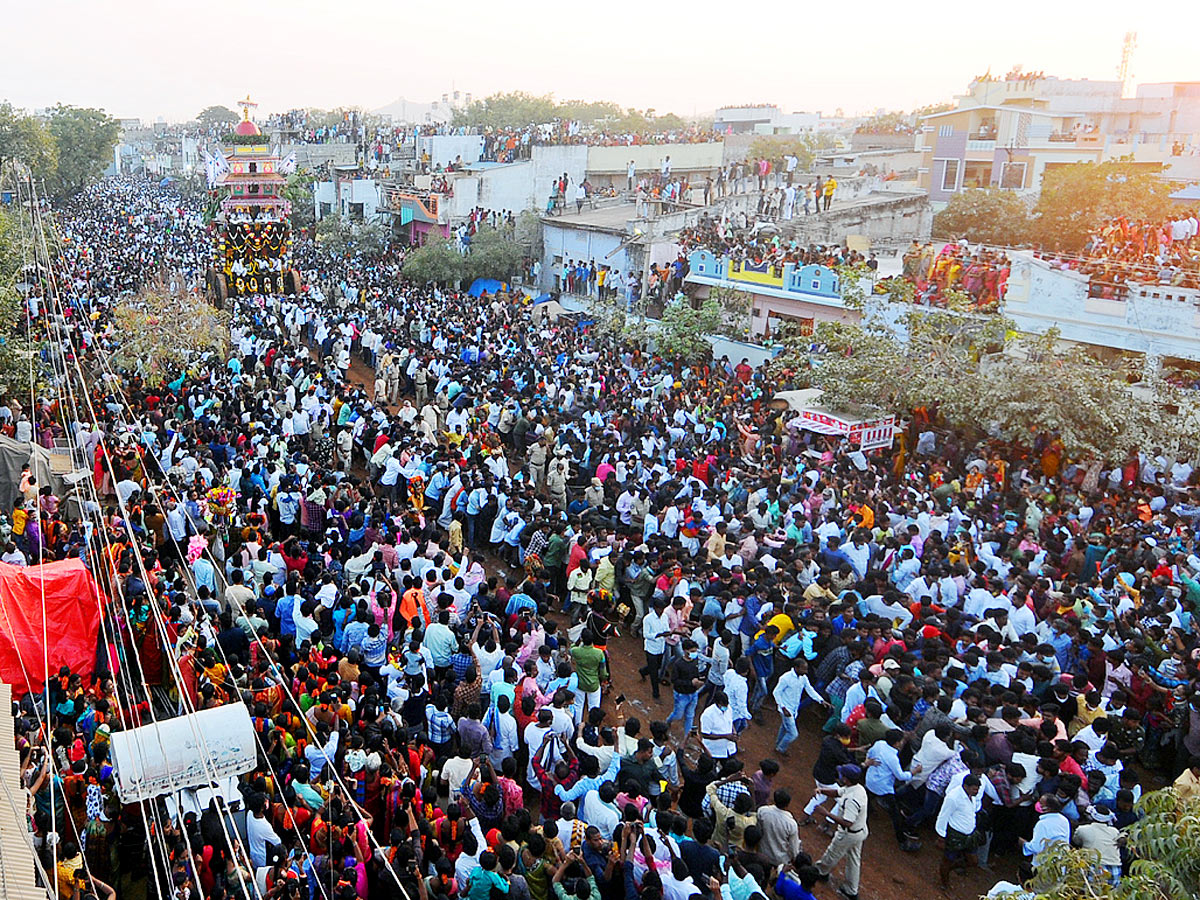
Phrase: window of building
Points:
(950, 175)
(1012, 175)
(945, 131)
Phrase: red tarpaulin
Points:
(72, 622)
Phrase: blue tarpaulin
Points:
(164, 182)
(490, 285)
(541, 298)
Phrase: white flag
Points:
(211, 169)
(288, 166)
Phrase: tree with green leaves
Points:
(588, 111)
(736, 309)
(885, 123)
(1163, 844)
(515, 109)
(932, 109)
(493, 254)
(436, 262)
(805, 147)
(632, 121)
(683, 330)
(217, 117)
(299, 193)
(984, 216)
(338, 237)
(26, 140)
(528, 234)
(85, 139)
(160, 334)
(1077, 199)
(15, 346)
(984, 377)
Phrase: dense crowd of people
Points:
(1124, 252)
(507, 144)
(743, 240)
(424, 582)
(980, 273)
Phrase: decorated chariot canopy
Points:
(251, 232)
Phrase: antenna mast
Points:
(1127, 48)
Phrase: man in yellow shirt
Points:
(716, 542)
(827, 191)
(784, 622)
(819, 593)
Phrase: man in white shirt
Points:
(599, 809)
(259, 833)
(791, 689)
(655, 628)
(955, 827)
(716, 728)
(504, 742)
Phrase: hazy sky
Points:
(166, 58)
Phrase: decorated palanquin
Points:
(251, 232)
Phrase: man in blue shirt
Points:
(796, 882)
(762, 658)
(884, 772)
(750, 624)
(1060, 641)
(833, 556)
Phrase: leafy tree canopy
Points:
(984, 377)
(984, 215)
(805, 147)
(886, 123)
(298, 191)
(516, 109)
(160, 334)
(683, 329)
(1078, 198)
(588, 111)
(85, 139)
(26, 140)
(436, 262)
(494, 254)
(931, 109)
(216, 116)
(1162, 843)
(339, 237)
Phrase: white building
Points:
(1159, 321)
(357, 199)
(767, 118)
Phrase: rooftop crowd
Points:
(739, 238)
(425, 583)
(506, 144)
(981, 273)
(1151, 253)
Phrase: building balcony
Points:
(425, 206)
(981, 145)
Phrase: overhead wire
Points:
(154, 836)
(159, 830)
(329, 762)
